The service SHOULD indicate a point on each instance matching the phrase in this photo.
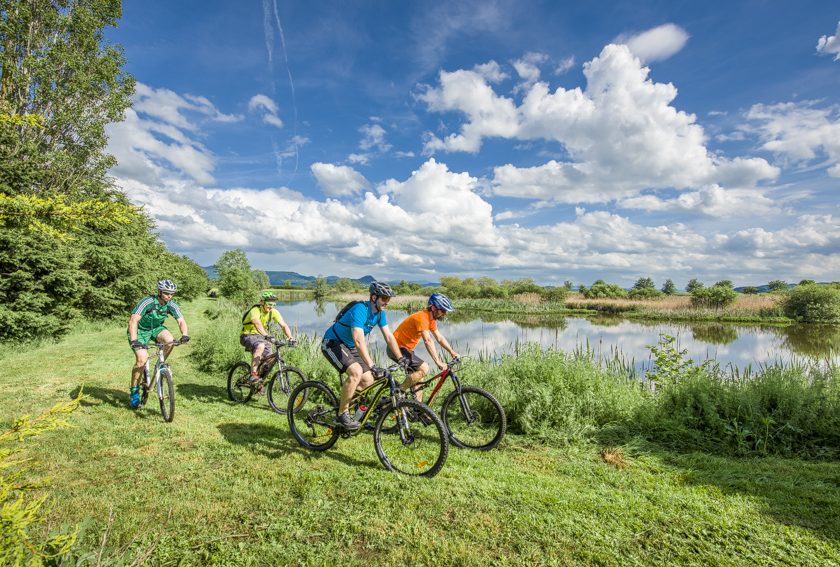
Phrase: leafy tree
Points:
(806, 282)
(236, 281)
(668, 288)
(717, 296)
(694, 284)
(601, 289)
(726, 283)
(287, 283)
(345, 285)
(813, 303)
(569, 285)
(751, 290)
(260, 279)
(777, 285)
(321, 288)
(644, 288)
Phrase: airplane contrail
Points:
(291, 82)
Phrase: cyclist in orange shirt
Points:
(423, 324)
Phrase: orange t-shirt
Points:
(410, 331)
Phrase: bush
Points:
(645, 293)
(601, 289)
(791, 410)
(717, 297)
(813, 303)
(555, 395)
(18, 513)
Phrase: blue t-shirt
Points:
(359, 316)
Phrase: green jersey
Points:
(153, 313)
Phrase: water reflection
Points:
(493, 334)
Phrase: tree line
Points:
(71, 243)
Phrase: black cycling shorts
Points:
(415, 361)
(341, 356)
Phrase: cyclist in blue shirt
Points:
(345, 347)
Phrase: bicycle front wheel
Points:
(312, 410)
(475, 419)
(417, 446)
(239, 388)
(281, 385)
(166, 393)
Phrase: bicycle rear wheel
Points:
(281, 385)
(239, 388)
(475, 419)
(312, 410)
(417, 446)
(166, 393)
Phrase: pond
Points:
(491, 335)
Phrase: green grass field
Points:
(226, 484)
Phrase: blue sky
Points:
(411, 140)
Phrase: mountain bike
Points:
(161, 380)
(473, 416)
(408, 436)
(280, 378)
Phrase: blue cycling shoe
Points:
(134, 398)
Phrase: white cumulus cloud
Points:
(830, 45)
(338, 180)
(657, 44)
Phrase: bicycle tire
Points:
(425, 447)
(144, 388)
(239, 389)
(312, 410)
(484, 429)
(167, 395)
(281, 385)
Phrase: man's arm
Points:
(361, 345)
(430, 346)
(445, 344)
(133, 321)
(182, 324)
(280, 321)
(390, 341)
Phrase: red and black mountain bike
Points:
(473, 416)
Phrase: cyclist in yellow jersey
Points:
(254, 333)
(423, 324)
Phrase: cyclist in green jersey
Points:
(254, 333)
(146, 324)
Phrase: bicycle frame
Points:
(373, 393)
(158, 365)
(440, 377)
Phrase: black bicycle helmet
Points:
(381, 289)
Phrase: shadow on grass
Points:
(796, 492)
(208, 393)
(203, 393)
(117, 399)
(110, 396)
(277, 441)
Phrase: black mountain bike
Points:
(273, 370)
(408, 436)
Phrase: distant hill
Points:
(278, 278)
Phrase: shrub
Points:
(717, 296)
(813, 303)
(601, 289)
(644, 293)
(555, 395)
(19, 513)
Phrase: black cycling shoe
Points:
(348, 423)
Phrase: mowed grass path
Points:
(227, 484)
